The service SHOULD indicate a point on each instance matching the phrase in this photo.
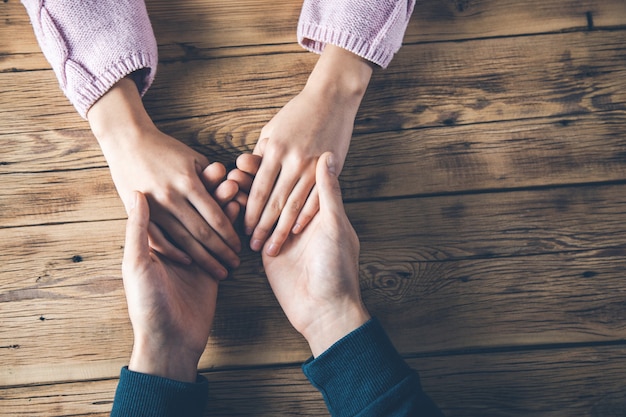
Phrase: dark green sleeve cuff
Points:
(364, 375)
(140, 395)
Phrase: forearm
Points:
(333, 325)
(166, 360)
(341, 76)
(119, 118)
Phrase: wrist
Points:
(341, 76)
(333, 325)
(119, 115)
(172, 362)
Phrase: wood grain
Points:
(486, 181)
(527, 153)
(515, 384)
(203, 29)
(428, 85)
(427, 265)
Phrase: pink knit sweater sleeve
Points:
(92, 44)
(372, 29)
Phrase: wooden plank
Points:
(67, 196)
(435, 20)
(200, 29)
(526, 153)
(583, 381)
(491, 287)
(50, 150)
(459, 83)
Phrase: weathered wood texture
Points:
(526, 153)
(205, 29)
(501, 264)
(490, 80)
(486, 181)
(586, 382)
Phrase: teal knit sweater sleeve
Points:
(141, 395)
(363, 375)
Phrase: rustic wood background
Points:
(486, 180)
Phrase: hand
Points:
(171, 306)
(319, 119)
(316, 275)
(167, 172)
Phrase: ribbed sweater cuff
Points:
(87, 91)
(357, 370)
(314, 37)
(142, 395)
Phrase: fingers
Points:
(286, 215)
(311, 207)
(248, 163)
(328, 185)
(205, 249)
(215, 221)
(213, 175)
(226, 192)
(243, 180)
(259, 148)
(232, 209)
(161, 244)
(136, 245)
(260, 193)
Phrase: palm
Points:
(176, 302)
(300, 275)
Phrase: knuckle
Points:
(220, 223)
(298, 160)
(276, 205)
(275, 148)
(295, 205)
(279, 236)
(258, 194)
(204, 234)
(186, 183)
(261, 232)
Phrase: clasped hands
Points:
(180, 237)
(315, 277)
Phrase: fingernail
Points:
(222, 273)
(256, 245)
(187, 260)
(330, 163)
(272, 249)
(296, 228)
(249, 231)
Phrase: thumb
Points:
(259, 148)
(136, 246)
(327, 183)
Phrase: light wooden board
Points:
(428, 85)
(198, 29)
(427, 265)
(526, 153)
(586, 382)
(494, 256)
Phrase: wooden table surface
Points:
(486, 180)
